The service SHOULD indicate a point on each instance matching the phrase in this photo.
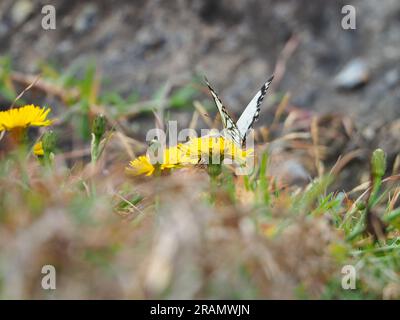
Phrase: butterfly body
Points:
(238, 131)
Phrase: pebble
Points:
(294, 172)
(21, 10)
(289, 171)
(353, 75)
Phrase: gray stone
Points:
(354, 74)
(21, 10)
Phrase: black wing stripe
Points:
(252, 111)
(229, 125)
(263, 91)
(222, 108)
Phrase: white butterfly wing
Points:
(230, 128)
(252, 111)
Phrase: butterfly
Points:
(237, 131)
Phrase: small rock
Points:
(294, 172)
(288, 170)
(86, 19)
(353, 75)
(21, 10)
(368, 133)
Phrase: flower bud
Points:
(378, 163)
(99, 126)
(49, 142)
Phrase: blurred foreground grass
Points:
(182, 235)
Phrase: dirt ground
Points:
(139, 45)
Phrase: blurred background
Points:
(146, 49)
(139, 45)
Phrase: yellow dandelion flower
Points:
(203, 148)
(214, 149)
(23, 117)
(174, 157)
(171, 158)
(38, 149)
(190, 153)
(237, 153)
(141, 165)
